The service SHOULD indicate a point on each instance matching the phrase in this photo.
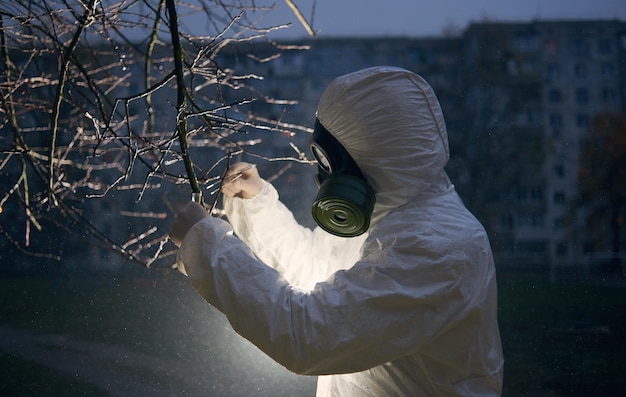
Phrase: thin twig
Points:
(181, 119)
(214, 205)
(56, 111)
(300, 17)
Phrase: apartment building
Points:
(535, 88)
(518, 100)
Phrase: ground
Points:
(149, 333)
(141, 336)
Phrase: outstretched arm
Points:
(303, 256)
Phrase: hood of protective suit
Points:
(391, 123)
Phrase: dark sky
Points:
(418, 18)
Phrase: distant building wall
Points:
(518, 98)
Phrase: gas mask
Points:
(345, 201)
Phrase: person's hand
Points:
(243, 181)
(191, 214)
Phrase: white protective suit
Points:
(409, 308)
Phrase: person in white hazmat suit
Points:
(401, 300)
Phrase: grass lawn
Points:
(154, 333)
(22, 377)
(559, 340)
(562, 340)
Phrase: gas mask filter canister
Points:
(345, 201)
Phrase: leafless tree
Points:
(603, 192)
(109, 107)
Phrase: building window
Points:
(521, 119)
(552, 46)
(554, 95)
(607, 70)
(526, 41)
(582, 120)
(528, 117)
(556, 120)
(532, 247)
(553, 71)
(581, 70)
(582, 96)
(609, 95)
(532, 194)
(605, 46)
(506, 220)
(559, 170)
(558, 197)
(579, 47)
(533, 219)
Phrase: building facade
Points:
(536, 87)
(518, 99)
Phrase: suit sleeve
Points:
(356, 319)
(303, 256)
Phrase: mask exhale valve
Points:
(343, 206)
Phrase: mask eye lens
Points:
(322, 159)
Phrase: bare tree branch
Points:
(66, 56)
(95, 149)
(300, 17)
